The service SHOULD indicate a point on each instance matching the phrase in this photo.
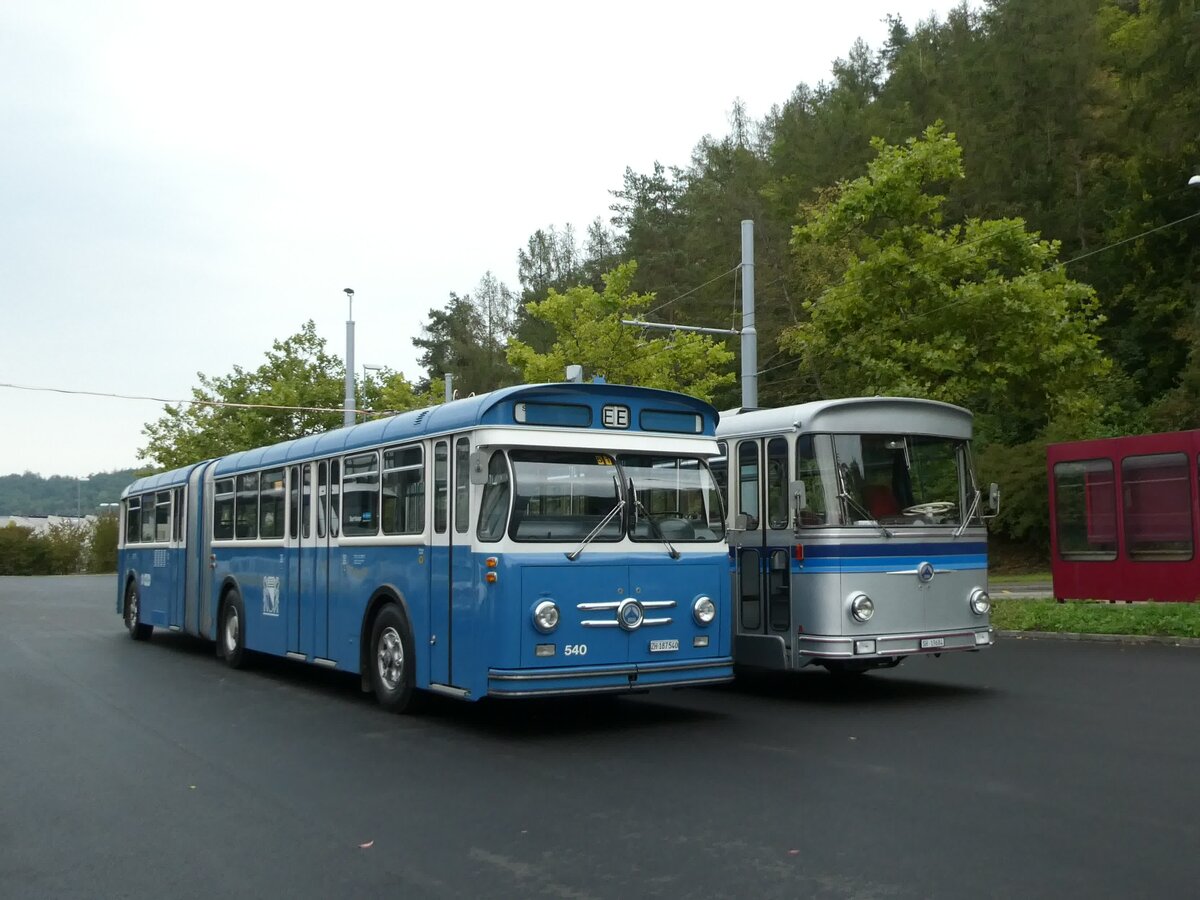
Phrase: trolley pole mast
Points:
(748, 332)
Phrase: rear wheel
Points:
(138, 630)
(231, 639)
(392, 661)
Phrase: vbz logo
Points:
(271, 595)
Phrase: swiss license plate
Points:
(664, 646)
(932, 643)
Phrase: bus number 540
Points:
(575, 650)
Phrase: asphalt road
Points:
(1037, 769)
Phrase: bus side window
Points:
(322, 498)
(306, 502)
(777, 483)
(294, 502)
(748, 482)
(441, 486)
(335, 495)
(462, 485)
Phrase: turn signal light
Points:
(491, 562)
(491, 577)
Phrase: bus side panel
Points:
(261, 575)
(356, 574)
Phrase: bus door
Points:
(196, 543)
(320, 515)
(177, 561)
(758, 488)
(296, 582)
(440, 568)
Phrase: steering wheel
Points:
(936, 508)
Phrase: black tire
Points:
(231, 633)
(392, 660)
(138, 630)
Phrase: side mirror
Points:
(479, 466)
(799, 497)
(994, 499)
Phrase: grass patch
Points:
(1089, 617)
(1027, 578)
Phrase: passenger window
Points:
(719, 465)
(306, 502)
(223, 510)
(148, 518)
(404, 490)
(441, 486)
(322, 498)
(462, 486)
(748, 482)
(133, 520)
(808, 470)
(245, 507)
(270, 504)
(294, 502)
(335, 496)
(1085, 509)
(162, 517)
(777, 483)
(360, 496)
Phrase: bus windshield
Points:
(676, 494)
(884, 479)
(565, 495)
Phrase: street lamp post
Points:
(348, 414)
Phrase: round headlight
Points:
(980, 602)
(704, 610)
(545, 616)
(862, 607)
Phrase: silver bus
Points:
(857, 533)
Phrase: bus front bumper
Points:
(608, 679)
(879, 646)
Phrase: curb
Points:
(1165, 640)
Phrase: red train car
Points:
(1123, 515)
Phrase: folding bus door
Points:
(758, 489)
(440, 563)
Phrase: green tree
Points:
(977, 313)
(588, 332)
(102, 547)
(298, 390)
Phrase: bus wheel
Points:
(231, 641)
(391, 660)
(138, 630)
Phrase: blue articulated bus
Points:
(537, 540)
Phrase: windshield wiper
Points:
(612, 513)
(637, 504)
(845, 495)
(970, 512)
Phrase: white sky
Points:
(181, 184)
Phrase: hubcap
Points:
(391, 658)
(231, 630)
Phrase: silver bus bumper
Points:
(876, 646)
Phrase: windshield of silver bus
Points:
(888, 479)
(565, 495)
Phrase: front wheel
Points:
(231, 640)
(392, 661)
(138, 630)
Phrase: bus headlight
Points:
(862, 607)
(980, 602)
(545, 616)
(704, 610)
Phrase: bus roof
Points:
(853, 415)
(494, 408)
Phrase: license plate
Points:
(932, 643)
(663, 646)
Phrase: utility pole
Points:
(348, 414)
(748, 332)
